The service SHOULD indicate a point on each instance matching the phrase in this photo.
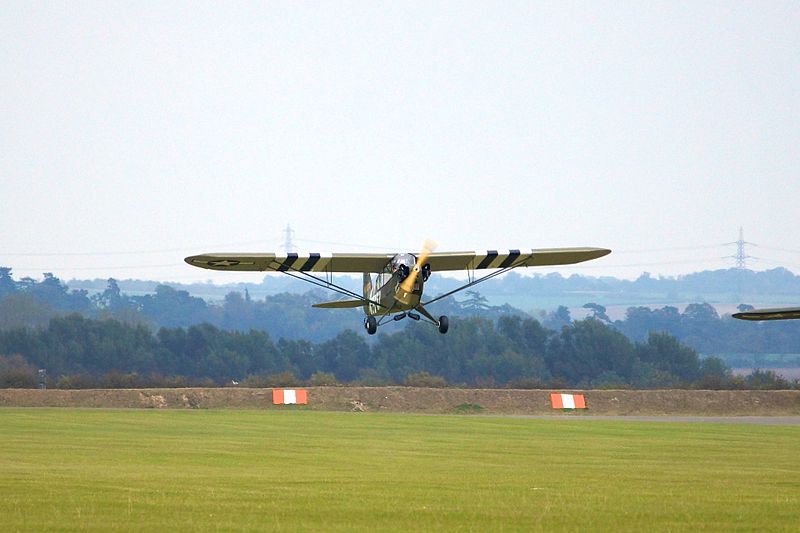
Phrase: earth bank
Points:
(426, 400)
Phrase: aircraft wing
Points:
(308, 262)
(783, 313)
(442, 261)
(487, 259)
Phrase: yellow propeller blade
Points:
(427, 248)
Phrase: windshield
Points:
(407, 260)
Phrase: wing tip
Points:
(589, 254)
(785, 313)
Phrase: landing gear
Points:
(371, 325)
(409, 314)
(443, 324)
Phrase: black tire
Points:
(402, 272)
(444, 324)
(371, 325)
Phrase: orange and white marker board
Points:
(289, 396)
(567, 401)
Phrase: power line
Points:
(351, 245)
(654, 263)
(670, 249)
(130, 252)
(777, 249)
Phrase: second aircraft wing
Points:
(355, 263)
(488, 259)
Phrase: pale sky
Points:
(133, 134)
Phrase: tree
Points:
(7, 284)
(766, 380)
(16, 373)
(112, 303)
(344, 355)
(475, 302)
(714, 374)
(300, 354)
(664, 352)
(558, 319)
(111, 298)
(53, 292)
(238, 312)
(21, 310)
(588, 349)
(598, 312)
(700, 325)
(640, 321)
(172, 308)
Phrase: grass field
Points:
(181, 470)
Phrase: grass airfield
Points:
(227, 470)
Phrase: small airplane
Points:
(398, 284)
(781, 313)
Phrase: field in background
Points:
(789, 374)
(203, 470)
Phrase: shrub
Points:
(467, 408)
(284, 379)
(118, 380)
(255, 381)
(76, 381)
(16, 373)
(322, 379)
(766, 380)
(526, 383)
(423, 379)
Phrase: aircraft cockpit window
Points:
(402, 264)
(406, 260)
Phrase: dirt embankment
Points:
(426, 400)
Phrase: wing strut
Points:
(329, 285)
(472, 283)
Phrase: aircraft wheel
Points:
(402, 272)
(444, 324)
(371, 325)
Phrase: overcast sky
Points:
(133, 134)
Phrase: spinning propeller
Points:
(407, 284)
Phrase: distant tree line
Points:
(28, 303)
(80, 352)
(33, 303)
(702, 328)
(35, 310)
(776, 281)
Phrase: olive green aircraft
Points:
(781, 313)
(396, 290)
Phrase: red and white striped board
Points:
(567, 401)
(289, 396)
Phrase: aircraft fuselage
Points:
(387, 291)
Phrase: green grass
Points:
(467, 409)
(149, 470)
